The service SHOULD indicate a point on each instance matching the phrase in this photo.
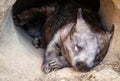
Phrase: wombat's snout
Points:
(82, 66)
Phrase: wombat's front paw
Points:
(52, 65)
(36, 42)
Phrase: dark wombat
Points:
(32, 21)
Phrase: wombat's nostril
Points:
(82, 66)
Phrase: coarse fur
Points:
(66, 13)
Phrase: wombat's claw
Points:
(51, 66)
(54, 65)
(47, 68)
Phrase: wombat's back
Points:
(65, 14)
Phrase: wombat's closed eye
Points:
(78, 48)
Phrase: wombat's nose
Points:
(82, 66)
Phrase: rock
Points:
(110, 13)
(20, 61)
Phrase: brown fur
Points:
(66, 13)
(32, 22)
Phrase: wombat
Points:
(32, 21)
(82, 44)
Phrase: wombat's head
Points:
(86, 44)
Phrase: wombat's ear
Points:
(110, 32)
(79, 18)
(79, 15)
(66, 30)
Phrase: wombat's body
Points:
(66, 13)
(82, 44)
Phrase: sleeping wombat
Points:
(81, 44)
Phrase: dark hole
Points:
(21, 5)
